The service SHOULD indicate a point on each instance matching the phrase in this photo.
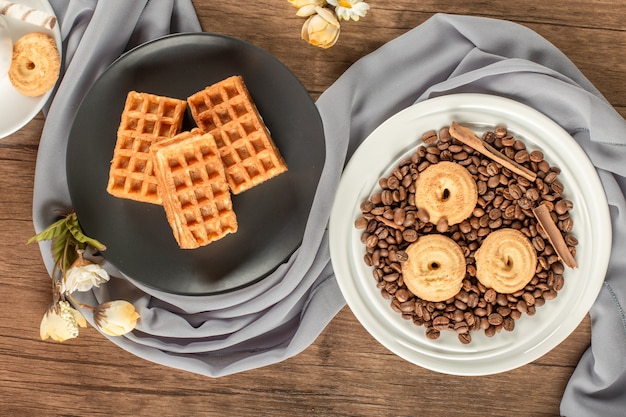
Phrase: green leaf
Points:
(67, 237)
(55, 230)
(74, 228)
(59, 248)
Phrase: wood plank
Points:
(345, 372)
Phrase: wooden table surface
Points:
(345, 372)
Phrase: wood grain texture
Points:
(345, 372)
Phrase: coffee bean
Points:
(493, 181)
(442, 225)
(465, 338)
(501, 299)
(399, 215)
(509, 324)
(386, 197)
(371, 241)
(557, 187)
(563, 206)
(529, 299)
(515, 191)
(521, 156)
(423, 215)
(500, 131)
(391, 277)
(490, 296)
(429, 137)
(403, 295)
(559, 281)
(391, 220)
(532, 194)
(571, 240)
(432, 158)
(393, 183)
(405, 306)
(410, 235)
(461, 327)
(444, 135)
(503, 311)
(432, 333)
(566, 225)
(441, 323)
(508, 141)
(402, 256)
(495, 319)
(549, 295)
(361, 222)
(550, 177)
(536, 156)
(538, 243)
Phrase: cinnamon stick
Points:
(468, 137)
(542, 214)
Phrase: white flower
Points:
(61, 322)
(321, 29)
(83, 276)
(350, 9)
(306, 8)
(116, 318)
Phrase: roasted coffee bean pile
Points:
(391, 221)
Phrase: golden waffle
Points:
(226, 110)
(193, 189)
(146, 119)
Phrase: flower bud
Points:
(61, 322)
(306, 11)
(302, 3)
(321, 29)
(116, 318)
(306, 8)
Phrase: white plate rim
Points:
(17, 110)
(507, 350)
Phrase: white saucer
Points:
(17, 110)
(533, 336)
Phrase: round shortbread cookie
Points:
(36, 64)
(446, 190)
(506, 261)
(435, 268)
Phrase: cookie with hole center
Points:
(435, 268)
(446, 190)
(506, 261)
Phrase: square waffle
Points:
(249, 154)
(193, 189)
(146, 119)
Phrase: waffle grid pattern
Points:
(194, 190)
(225, 110)
(146, 119)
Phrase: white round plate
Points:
(533, 336)
(15, 108)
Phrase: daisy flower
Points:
(350, 9)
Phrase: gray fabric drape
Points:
(283, 314)
(211, 335)
(460, 54)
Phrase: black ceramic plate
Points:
(271, 216)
